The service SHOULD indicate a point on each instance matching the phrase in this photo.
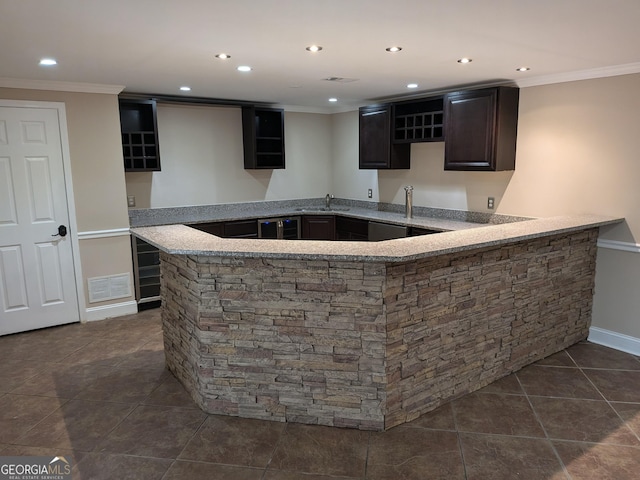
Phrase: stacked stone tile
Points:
(369, 345)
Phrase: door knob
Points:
(62, 231)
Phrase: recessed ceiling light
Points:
(313, 48)
(244, 68)
(333, 99)
(412, 85)
(48, 62)
(464, 60)
(223, 56)
(184, 88)
(393, 49)
(522, 69)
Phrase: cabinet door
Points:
(376, 149)
(319, 227)
(480, 129)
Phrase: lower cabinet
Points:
(215, 228)
(307, 227)
(319, 227)
(233, 229)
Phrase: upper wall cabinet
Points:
(377, 151)
(263, 137)
(418, 121)
(139, 128)
(480, 129)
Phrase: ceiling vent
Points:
(340, 79)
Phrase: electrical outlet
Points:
(131, 200)
(490, 203)
(370, 193)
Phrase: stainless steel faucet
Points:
(327, 201)
(408, 206)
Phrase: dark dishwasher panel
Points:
(385, 231)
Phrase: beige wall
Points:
(202, 160)
(98, 180)
(577, 153)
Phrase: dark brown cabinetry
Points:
(139, 128)
(480, 129)
(417, 231)
(216, 228)
(263, 137)
(418, 121)
(319, 227)
(307, 227)
(377, 151)
(352, 229)
(233, 229)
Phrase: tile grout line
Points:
(624, 422)
(546, 434)
(366, 460)
(275, 447)
(455, 426)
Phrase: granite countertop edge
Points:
(180, 239)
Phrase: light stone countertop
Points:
(184, 240)
(425, 217)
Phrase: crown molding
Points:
(31, 84)
(612, 71)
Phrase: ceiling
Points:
(156, 46)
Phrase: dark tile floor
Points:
(99, 393)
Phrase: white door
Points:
(37, 280)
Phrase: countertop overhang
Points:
(180, 239)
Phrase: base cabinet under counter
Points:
(310, 227)
(319, 227)
(233, 229)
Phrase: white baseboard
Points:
(109, 311)
(619, 341)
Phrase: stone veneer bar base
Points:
(369, 345)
